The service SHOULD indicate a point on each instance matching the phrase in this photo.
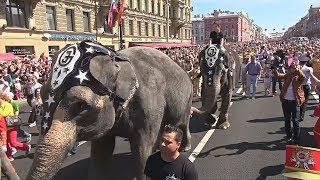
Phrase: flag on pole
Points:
(121, 10)
(112, 9)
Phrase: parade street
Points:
(252, 148)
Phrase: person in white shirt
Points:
(308, 72)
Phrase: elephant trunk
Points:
(210, 96)
(53, 147)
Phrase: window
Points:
(70, 18)
(52, 50)
(185, 33)
(153, 30)
(131, 27)
(164, 10)
(146, 28)
(16, 14)
(201, 38)
(131, 4)
(165, 30)
(159, 30)
(158, 9)
(139, 5)
(181, 13)
(51, 17)
(146, 5)
(139, 27)
(86, 21)
(152, 6)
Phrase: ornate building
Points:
(308, 26)
(44, 26)
(236, 26)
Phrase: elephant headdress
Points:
(70, 69)
(212, 57)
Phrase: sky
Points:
(268, 14)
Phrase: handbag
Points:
(13, 121)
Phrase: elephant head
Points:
(87, 90)
(214, 65)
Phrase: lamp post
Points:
(121, 46)
(167, 19)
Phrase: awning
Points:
(160, 45)
(8, 57)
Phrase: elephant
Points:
(216, 66)
(95, 94)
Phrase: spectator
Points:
(168, 163)
(291, 97)
(253, 70)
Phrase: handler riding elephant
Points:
(95, 94)
(217, 73)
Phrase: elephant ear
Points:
(126, 82)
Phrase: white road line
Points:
(239, 90)
(203, 142)
(315, 95)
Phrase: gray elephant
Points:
(96, 94)
(216, 67)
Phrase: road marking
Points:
(315, 95)
(203, 142)
(239, 90)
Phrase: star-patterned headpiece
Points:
(72, 69)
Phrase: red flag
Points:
(113, 8)
(121, 10)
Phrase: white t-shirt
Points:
(289, 94)
(307, 71)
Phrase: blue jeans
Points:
(252, 79)
(290, 112)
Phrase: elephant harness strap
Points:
(72, 69)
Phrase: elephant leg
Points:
(141, 145)
(186, 140)
(226, 94)
(101, 152)
(7, 168)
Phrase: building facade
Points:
(157, 21)
(33, 27)
(236, 26)
(308, 26)
(198, 30)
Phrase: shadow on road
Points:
(275, 119)
(245, 146)
(197, 123)
(270, 171)
(115, 170)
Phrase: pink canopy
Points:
(8, 57)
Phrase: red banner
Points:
(303, 159)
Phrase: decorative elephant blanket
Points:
(70, 69)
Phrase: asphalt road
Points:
(252, 148)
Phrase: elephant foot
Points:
(211, 119)
(223, 122)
